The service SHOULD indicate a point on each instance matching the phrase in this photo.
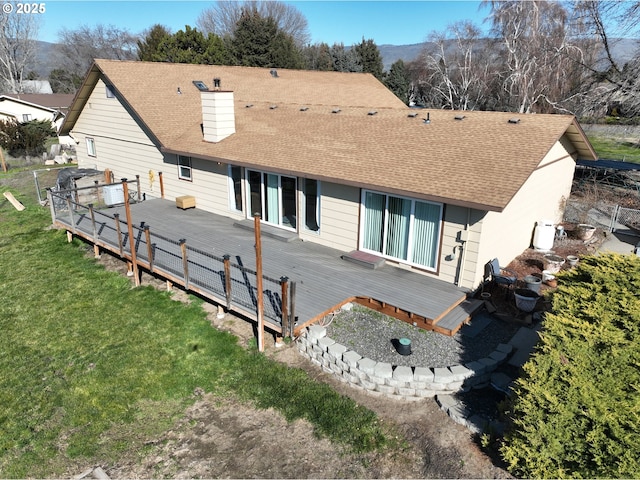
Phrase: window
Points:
(184, 167)
(109, 91)
(235, 188)
(91, 147)
(26, 117)
(401, 228)
(311, 190)
(273, 197)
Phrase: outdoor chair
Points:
(499, 276)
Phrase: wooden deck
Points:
(324, 281)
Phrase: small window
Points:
(311, 190)
(184, 167)
(91, 147)
(109, 90)
(26, 117)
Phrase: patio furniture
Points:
(500, 276)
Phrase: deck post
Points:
(147, 237)
(72, 220)
(107, 176)
(292, 315)
(256, 223)
(284, 283)
(138, 187)
(227, 279)
(185, 262)
(132, 247)
(116, 216)
(94, 230)
(161, 185)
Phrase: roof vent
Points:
(274, 73)
(459, 117)
(335, 110)
(216, 83)
(304, 109)
(372, 112)
(179, 91)
(249, 105)
(200, 85)
(514, 120)
(273, 107)
(413, 115)
(428, 119)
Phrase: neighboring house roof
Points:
(480, 161)
(52, 101)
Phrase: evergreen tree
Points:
(148, 47)
(258, 42)
(318, 57)
(64, 81)
(398, 81)
(191, 46)
(369, 58)
(344, 60)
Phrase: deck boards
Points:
(323, 279)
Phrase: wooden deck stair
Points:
(452, 321)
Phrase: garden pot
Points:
(553, 263)
(526, 299)
(573, 260)
(584, 231)
(533, 283)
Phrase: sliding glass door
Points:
(401, 228)
(273, 197)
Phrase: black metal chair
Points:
(500, 276)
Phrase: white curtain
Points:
(374, 205)
(398, 227)
(425, 234)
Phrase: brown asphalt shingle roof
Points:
(480, 161)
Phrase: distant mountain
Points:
(623, 49)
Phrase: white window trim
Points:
(411, 227)
(188, 167)
(27, 117)
(91, 146)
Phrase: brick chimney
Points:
(218, 116)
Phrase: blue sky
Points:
(386, 22)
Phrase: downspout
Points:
(463, 239)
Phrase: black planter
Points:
(402, 346)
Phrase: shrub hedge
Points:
(576, 411)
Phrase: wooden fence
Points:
(211, 276)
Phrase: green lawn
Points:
(84, 355)
(611, 149)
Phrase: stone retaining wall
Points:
(408, 383)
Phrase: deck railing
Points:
(217, 278)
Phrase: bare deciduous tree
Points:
(458, 67)
(17, 47)
(80, 47)
(222, 17)
(538, 51)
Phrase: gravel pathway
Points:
(370, 334)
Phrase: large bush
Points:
(26, 138)
(576, 411)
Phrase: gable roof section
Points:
(480, 161)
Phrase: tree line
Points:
(540, 55)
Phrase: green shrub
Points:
(576, 411)
(26, 138)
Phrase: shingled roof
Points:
(374, 141)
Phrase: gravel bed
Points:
(370, 334)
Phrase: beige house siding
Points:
(507, 234)
(339, 210)
(460, 224)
